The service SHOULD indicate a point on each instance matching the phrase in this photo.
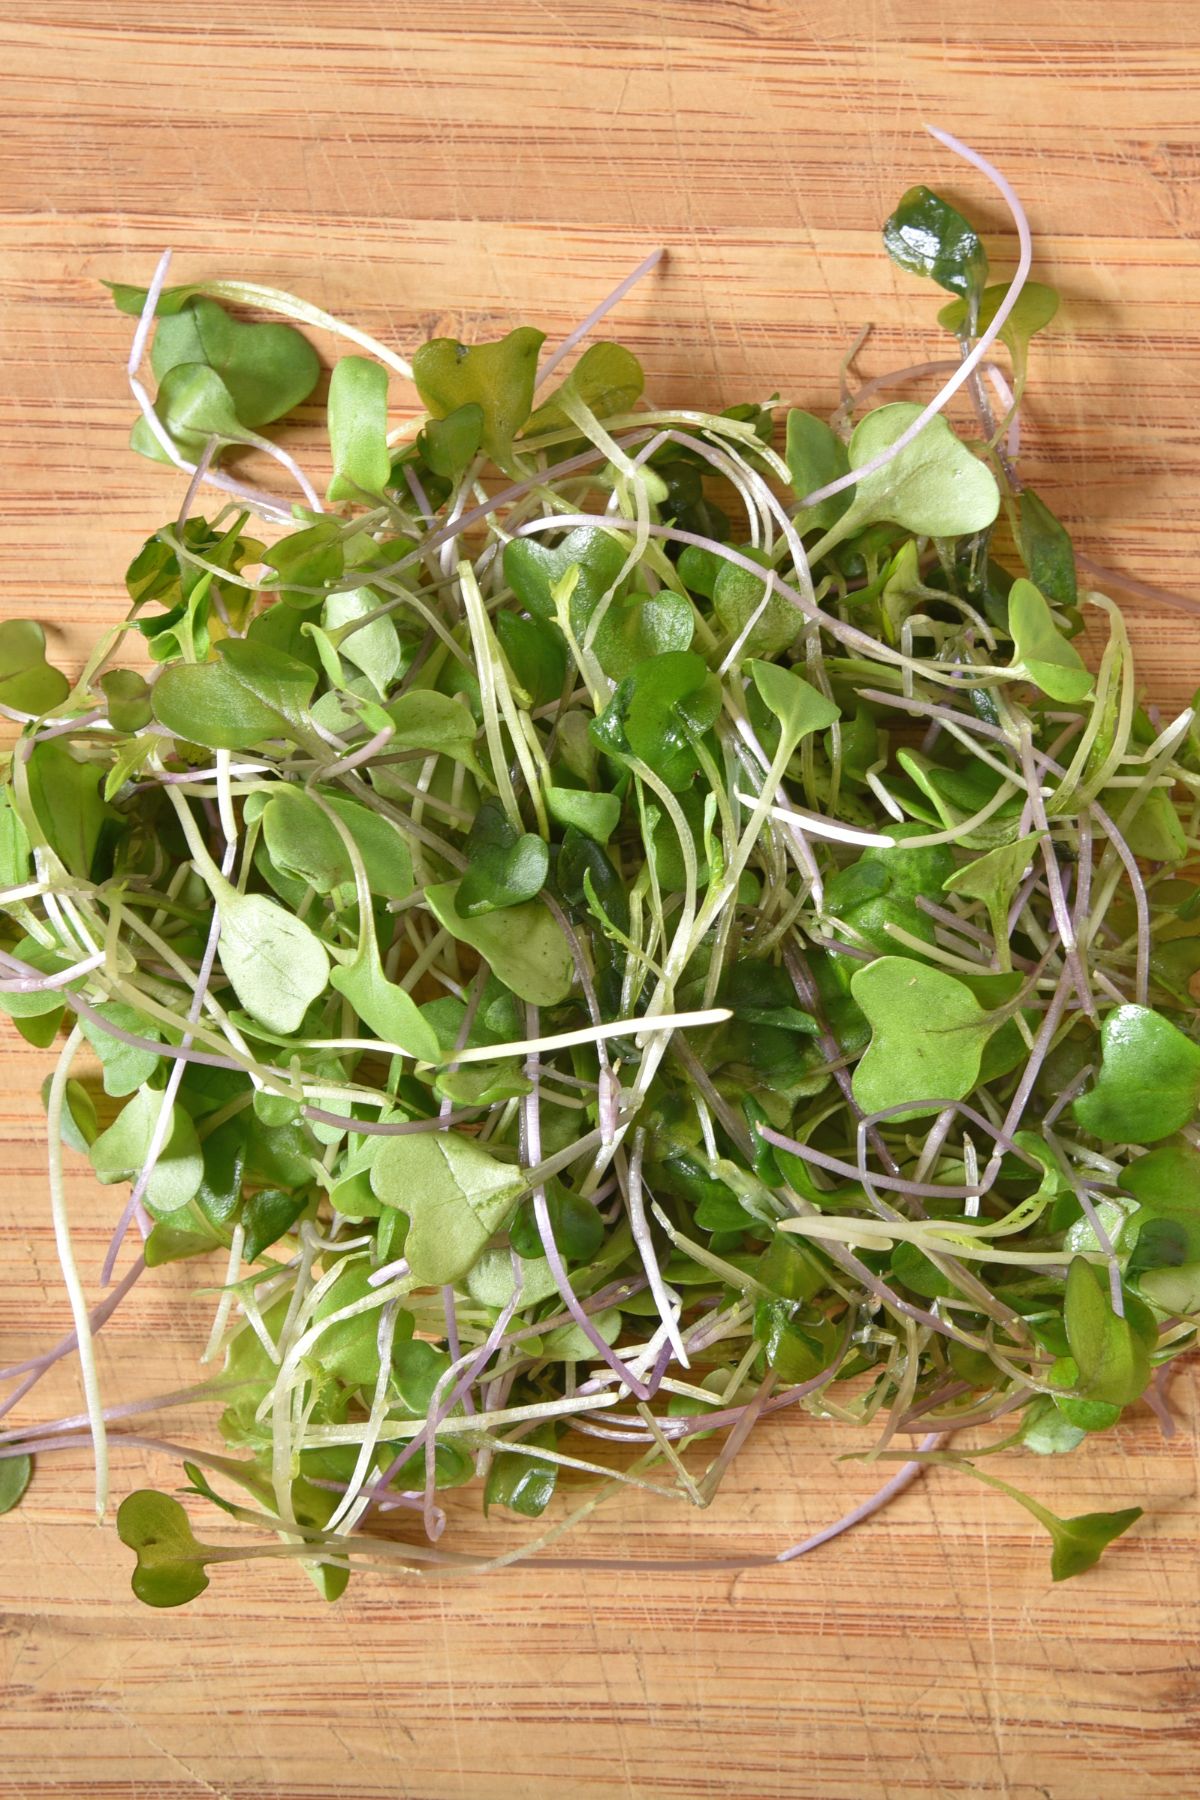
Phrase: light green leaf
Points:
(304, 842)
(596, 815)
(1149, 1080)
(935, 487)
(27, 682)
(1047, 657)
(928, 1034)
(799, 707)
(66, 803)
(427, 723)
(267, 368)
(125, 1068)
(250, 694)
(278, 967)
(119, 1152)
(375, 649)
(455, 1193)
(391, 1014)
(522, 944)
(815, 457)
(357, 414)
(607, 378)
(498, 377)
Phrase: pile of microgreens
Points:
(604, 932)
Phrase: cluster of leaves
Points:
(615, 955)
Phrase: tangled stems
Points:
(608, 933)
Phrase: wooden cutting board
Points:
(461, 167)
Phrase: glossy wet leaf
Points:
(456, 1194)
(658, 711)
(1149, 1080)
(928, 236)
(357, 416)
(522, 944)
(1047, 657)
(533, 570)
(498, 378)
(928, 1034)
(640, 625)
(504, 866)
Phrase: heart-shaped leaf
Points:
(928, 1034)
(928, 236)
(499, 378)
(738, 597)
(390, 1012)
(447, 445)
(357, 416)
(1149, 1080)
(657, 713)
(643, 625)
(27, 682)
(1048, 658)
(504, 866)
(934, 487)
(456, 1195)
(170, 1559)
(128, 697)
(119, 1152)
(523, 945)
(251, 693)
(883, 886)
(607, 379)
(267, 369)
(533, 570)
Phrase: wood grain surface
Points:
(422, 167)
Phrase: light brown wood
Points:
(420, 167)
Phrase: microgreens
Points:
(604, 933)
